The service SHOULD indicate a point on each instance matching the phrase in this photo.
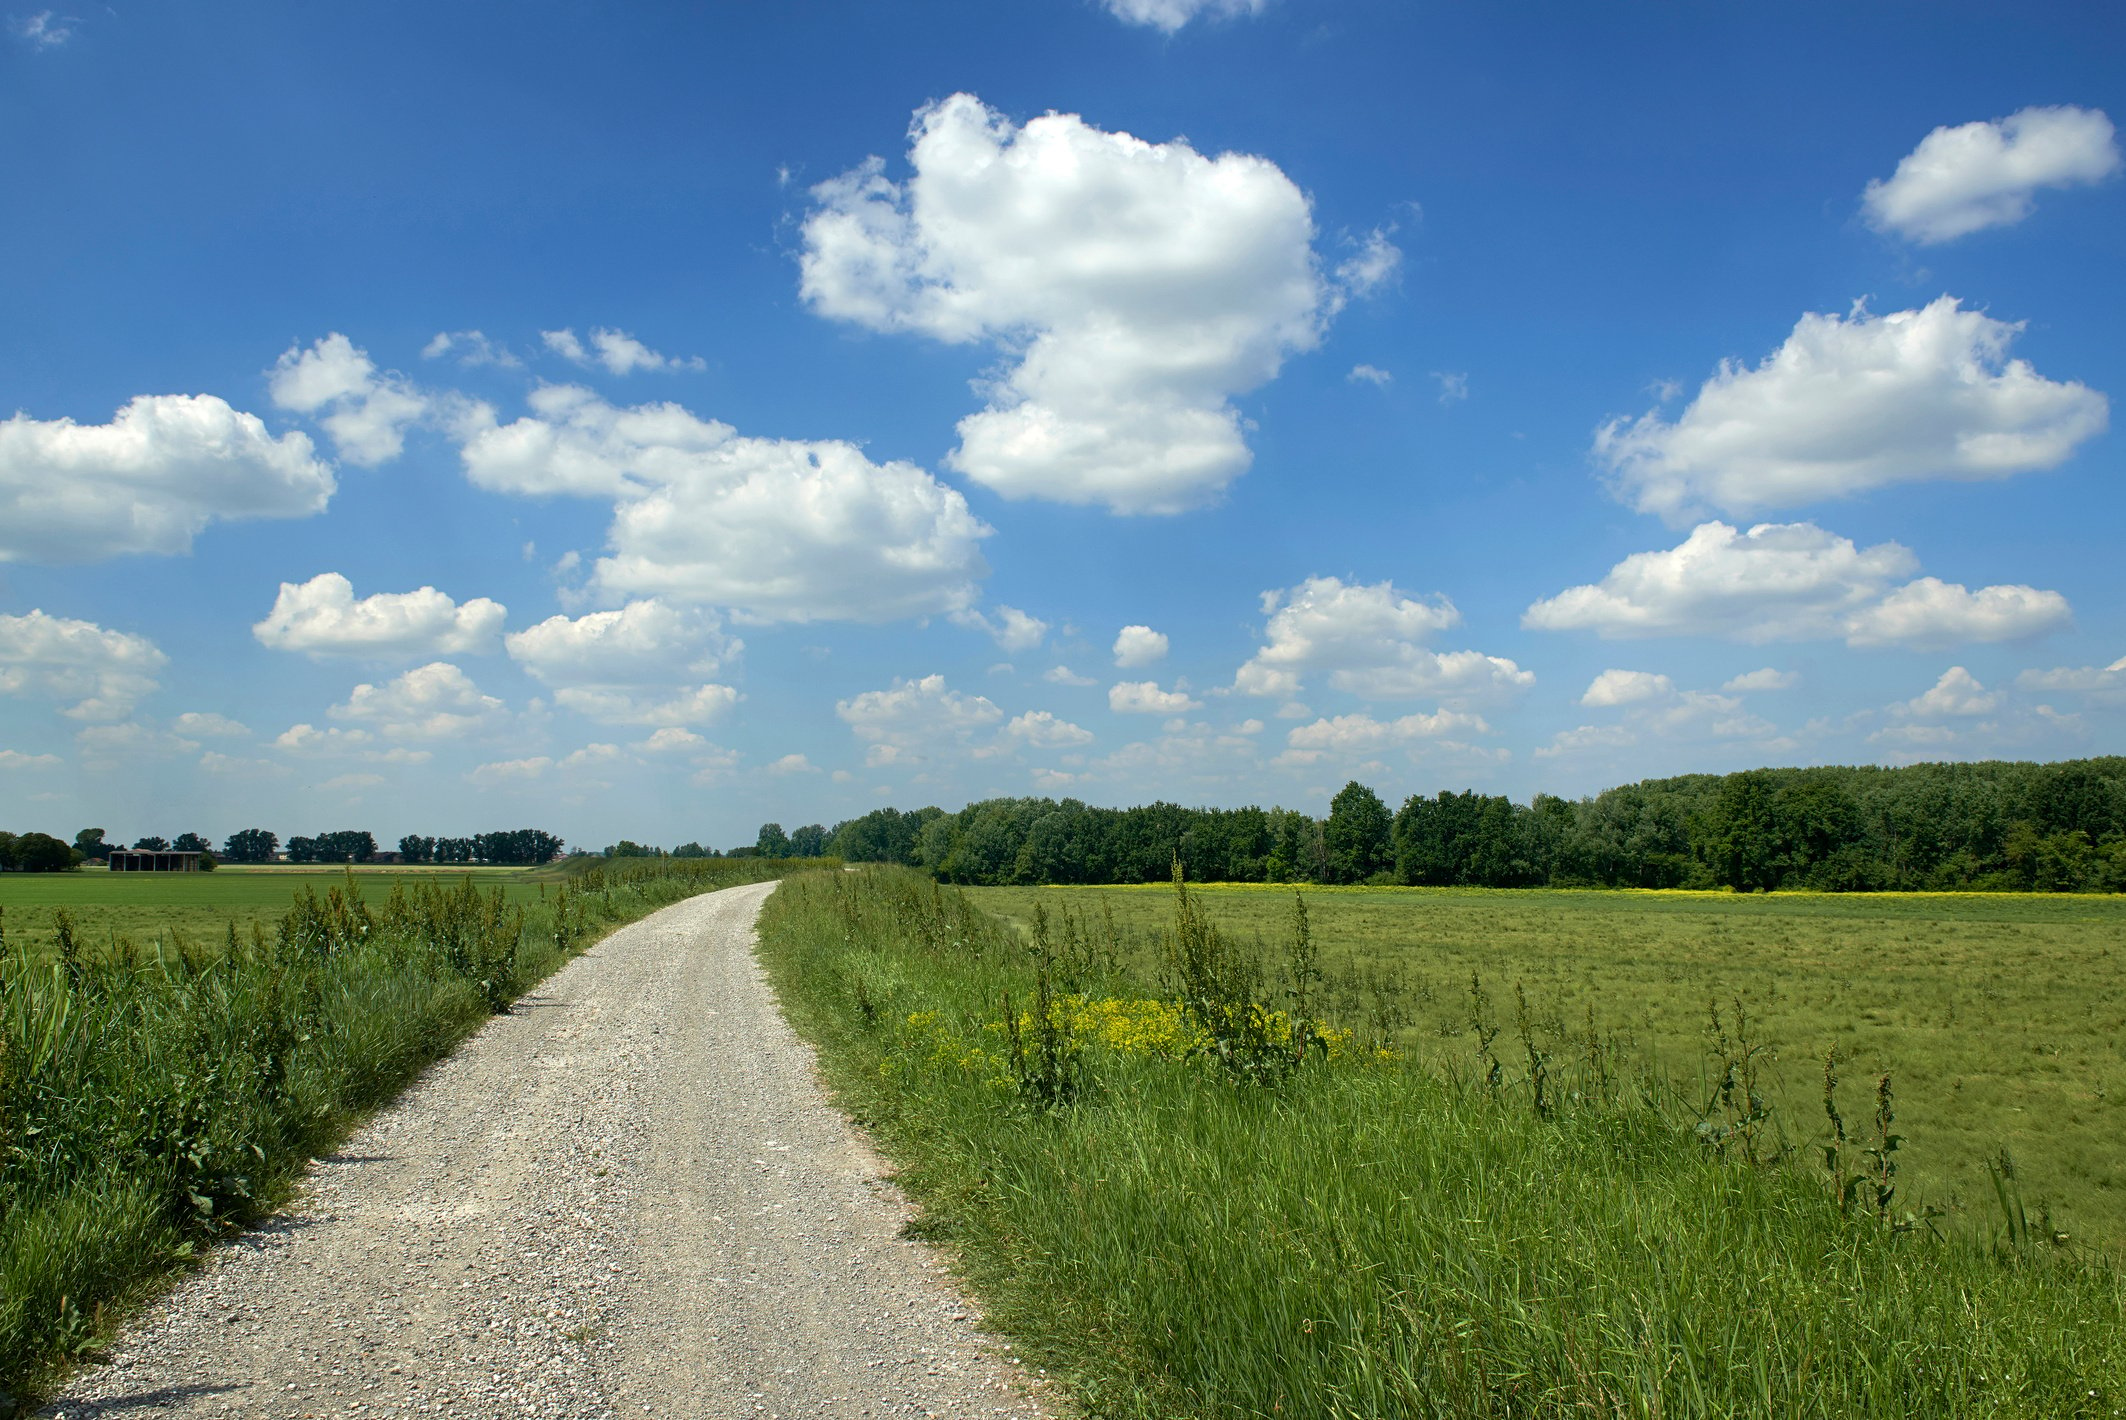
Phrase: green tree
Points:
(772, 842)
(251, 845)
(91, 845)
(1356, 834)
(1745, 842)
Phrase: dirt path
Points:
(627, 1197)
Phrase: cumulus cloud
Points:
(1627, 688)
(1931, 612)
(208, 725)
(791, 764)
(646, 642)
(312, 742)
(148, 481)
(914, 720)
(1144, 697)
(1136, 287)
(505, 773)
(1957, 693)
(1139, 646)
(1370, 374)
(1977, 175)
(1769, 678)
(2103, 685)
(432, 702)
(469, 347)
(671, 740)
(775, 529)
(1453, 388)
(1064, 675)
(1170, 15)
(1041, 729)
(1010, 628)
(697, 705)
(15, 759)
(45, 30)
(103, 673)
(615, 350)
(321, 617)
(366, 412)
(1346, 735)
(1368, 638)
(1849, 404)
(1791, 582)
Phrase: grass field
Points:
(199, 906)
(1178, 1210)
(2001, 1018)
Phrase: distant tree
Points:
(809, 841)
(42, 853)
(1356, 834)
(250, 845)
(628, 848)
(192, 843)
(90, 842)
(303, 850)
(416, 849)
(1744, 840)
(773, 842)
(7, 851)
(690, 850)
(152, 844)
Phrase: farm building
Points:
(147, 860)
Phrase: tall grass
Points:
(154, 1097)
(1356, 1234)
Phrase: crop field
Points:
(198, 907)
(2001, 1018)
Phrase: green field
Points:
(199, 906)
(2001, 1018)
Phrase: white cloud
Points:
(1374, 267)
(1627, 688)
(503, 773)
(320, 617)
(1791, 582)
(593, 756)
(776, 529)
(640, 665)
(1138, 287)
(1915, 737)
(1931, 612)
(1370, 374)
(671, 740)
(1171, 15)
(1851, 404)
(208, 725)
(309, 740)
(104, 673)
(696, 705)
(44, 30)
(1978, 175)
(367, 413)
(1587, 737)
(791, 764)
(1064, 675)
(12, 760)
(1010, 628)
(1144, 697)
(646, 642)
(617, 351)
(1958, 693)
(1769, 678)
(1453, 388)
(1139, 646)
(1367, 637)
(1346, 735)
(432, 702)
(469, 347)
(148, 481)
(2104, 685)
(230, 766)
(1042, 729)
(915, 719)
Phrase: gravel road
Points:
(626, 1197)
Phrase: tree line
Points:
(2000, 826)
(42, 853)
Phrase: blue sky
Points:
(648, 422)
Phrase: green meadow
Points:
(142, 907)
(1185, 1193)
(2000, 1018)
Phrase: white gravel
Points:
(626, 1197)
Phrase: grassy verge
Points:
(151, 1099)
(1183, 1207)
